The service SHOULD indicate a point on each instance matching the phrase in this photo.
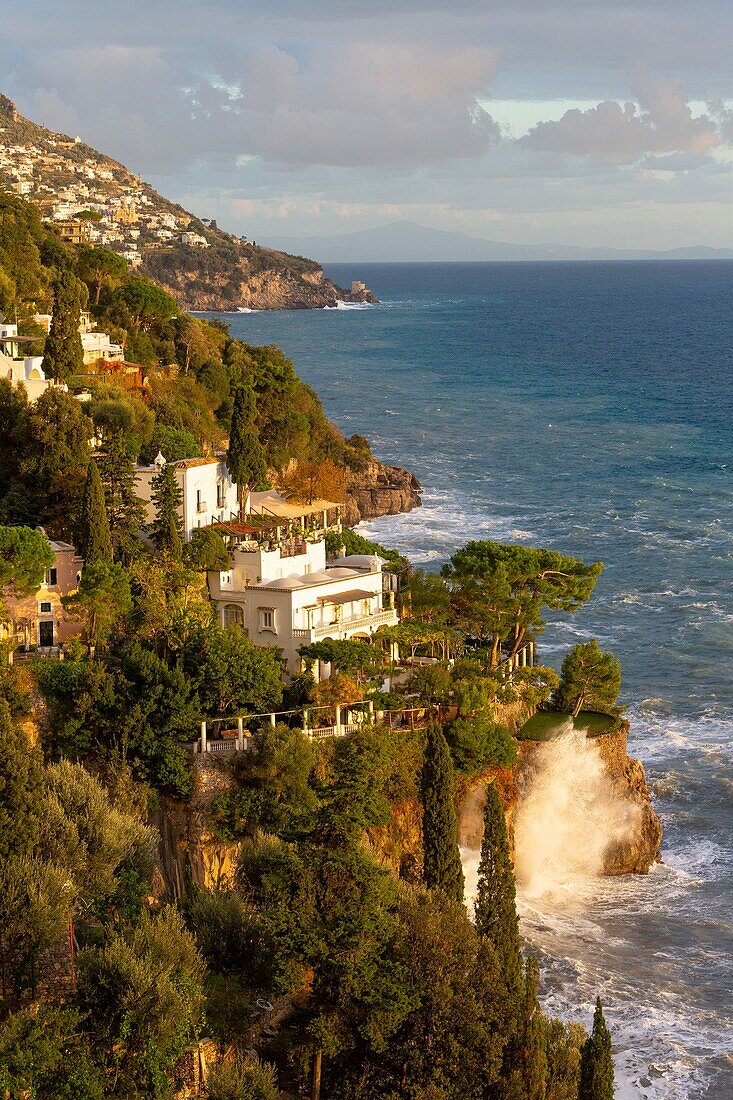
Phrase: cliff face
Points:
(188, 852)
(380, 490)
(638, 853)
(245, 276)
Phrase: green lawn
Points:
(546, 724)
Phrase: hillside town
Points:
(88, 198)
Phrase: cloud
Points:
(661, 123)
(310, 116)
(366, 104)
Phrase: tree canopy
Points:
(589, 679)
(499, 592)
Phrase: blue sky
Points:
(575, 121)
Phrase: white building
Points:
(286, 594)
(209, 494)
(97, 345)
(194, 240)
(22, 370)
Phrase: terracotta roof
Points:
(187, 463)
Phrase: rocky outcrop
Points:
(380, 490)
(642, 849)
(189, 854)
(246, 276)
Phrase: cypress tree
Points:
(532, 1061)
(125, 510)
(596, 1065)
(167, 527)
(496, 910)
(245, 457)
(442, 868)
(95, 539)
(63, 354)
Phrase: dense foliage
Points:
(379, 984)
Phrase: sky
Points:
(584, 122)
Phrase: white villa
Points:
(209, 494)
(284, 593)
(279, 587)
(22, 370)
(95, 345)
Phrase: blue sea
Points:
(586, 407)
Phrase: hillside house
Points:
(95, 345)
(194, 240)
(281, 590)
(39, 621)
(209, 494)
(22, 370)
(73, 231)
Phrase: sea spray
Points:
(569, 814)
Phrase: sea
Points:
(586, 407)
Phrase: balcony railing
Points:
(359, 622)
(201, 506)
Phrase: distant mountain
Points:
(92, 198)
(407, 242)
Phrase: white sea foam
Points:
(568, 815)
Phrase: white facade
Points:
(194, 240)
(97, 345)
(27, 373)
(290, 596)
(20, 370)
(209, 494)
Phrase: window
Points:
(45, 607)
(233, 615)
(51, 576)
(267, 619)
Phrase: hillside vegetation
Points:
(191, 368)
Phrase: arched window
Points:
(233, 615)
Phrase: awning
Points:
(348, 597)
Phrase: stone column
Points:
(240, 735)
(273, 721)
(203, 737)
(337, 727)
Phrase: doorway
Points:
(45, 634)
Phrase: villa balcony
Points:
(201, 507)
(347, 627)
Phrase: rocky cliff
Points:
(380, 490)
(231, 275)
(190, 854)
